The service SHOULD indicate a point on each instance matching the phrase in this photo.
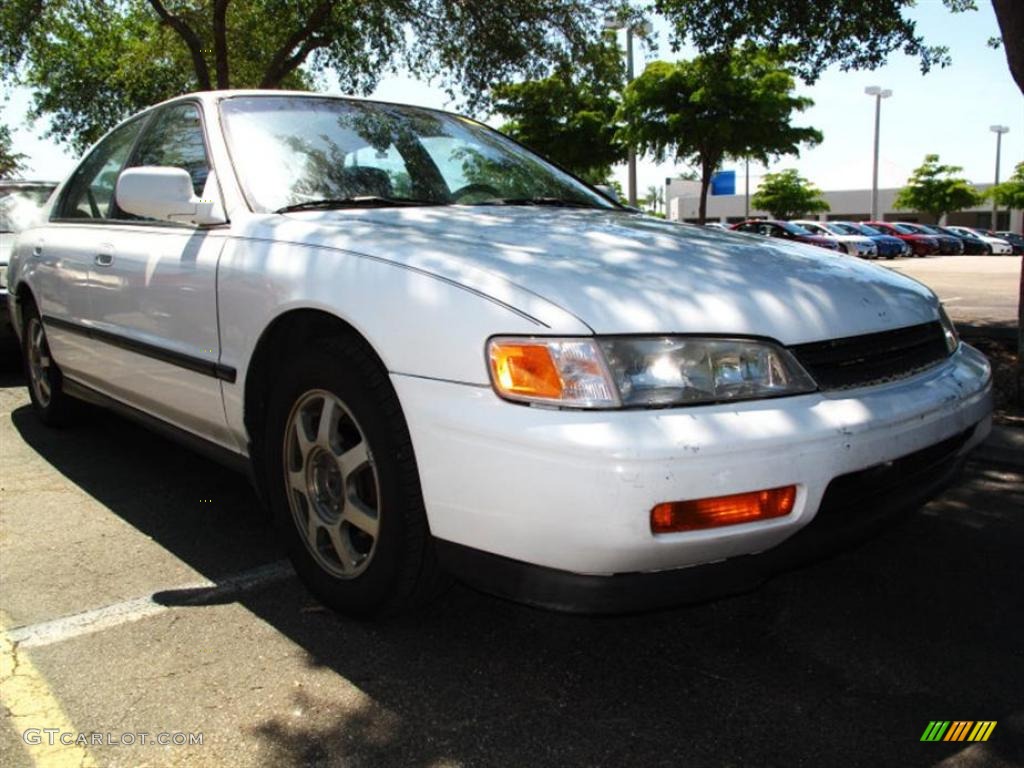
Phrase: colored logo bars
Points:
(958, 730)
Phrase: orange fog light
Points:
(697, 514)
(526, 370)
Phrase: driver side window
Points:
(90, 192)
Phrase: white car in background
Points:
(854, 245)
(20, 205)
(434, 352)
(997, 246)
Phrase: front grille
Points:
(857, 361)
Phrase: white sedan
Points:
(435, 353)
(996, 245)
(854, 245)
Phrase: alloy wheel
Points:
(332, 484)
(39, 362)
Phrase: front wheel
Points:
(45, 381)
(343, 485)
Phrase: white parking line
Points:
(99, 619)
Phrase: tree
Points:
(937, 190)
(787, 195)
(654, 199)
(855, 34)
(739, 103)
(570, 115)
(1010, 194)
(11, 163)
(93, 63)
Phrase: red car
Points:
(920, 245)
(786, 230)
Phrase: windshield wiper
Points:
(554, 202)
(357, 201)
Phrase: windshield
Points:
(836, 229)
(295, 150)
(862, 229)
(905, 229)
(795, 229)
(844, 229)
(20, 207)
(931, 230)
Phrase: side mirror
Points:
(163, 193)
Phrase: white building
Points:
(682, 201)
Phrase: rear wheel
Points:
(342, 482)
(45, 381)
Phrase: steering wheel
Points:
(469, 189)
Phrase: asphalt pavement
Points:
(981, 291)
(142, 592)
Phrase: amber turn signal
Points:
(698, 514)
(526, 370)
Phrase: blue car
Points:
(889, 247)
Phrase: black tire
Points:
(402, 571)
(51, 404)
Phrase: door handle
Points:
(104, 259)
(37, 249)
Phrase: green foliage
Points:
(91, 64)
(936, 189)
(570, 116)
(855, 34)
(1010, 194)
(11, 163)
(698, 112)
(787, 195)
(654, 200)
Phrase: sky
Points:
(946, 112)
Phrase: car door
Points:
(60, 254)
(154, 293)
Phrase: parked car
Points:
(920, 244)
(853, 244)
(972, 244)
(436, 353)
(949, 244)
(20, 204)
(1015, 240)
(996, 245)
(784, 230)
(888, 246)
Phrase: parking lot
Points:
(142, 592)
(980, 290)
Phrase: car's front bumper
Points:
(572, 490)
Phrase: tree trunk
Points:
(220, 42)
(1010, 15)
(191, 40)
(1020, 341)
(706, 169)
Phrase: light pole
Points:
(642, 29)
(998, 130)
(879, 94)
(746, 188)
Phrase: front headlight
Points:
(642, 372)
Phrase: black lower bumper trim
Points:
(854, 506)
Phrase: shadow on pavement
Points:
(842, 663)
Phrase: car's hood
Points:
(625, 273)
